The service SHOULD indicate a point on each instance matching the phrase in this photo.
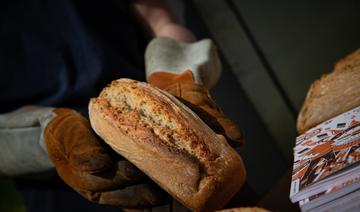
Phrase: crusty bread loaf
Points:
(333, 94)
(168, 142)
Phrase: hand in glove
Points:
(85, 164)
(187, 71)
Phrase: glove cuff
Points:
(22, 147)
(174, 57)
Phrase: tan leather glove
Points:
(90, 169)
(166, 63)
(198, 98)
(36, 139)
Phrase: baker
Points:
(55, 56)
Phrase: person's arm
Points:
(157, 20)
(175, 61)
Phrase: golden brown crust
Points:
(333, 94)
(168, 142)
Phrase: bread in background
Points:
(332, 94)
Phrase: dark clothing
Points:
(61, 53)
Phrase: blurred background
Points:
(271, 52)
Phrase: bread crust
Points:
(332, 94)
(168, 142)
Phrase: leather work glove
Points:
(187, 71)
(35, 139)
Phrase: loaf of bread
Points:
(333, 94)
(168, 142)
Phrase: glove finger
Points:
(120, 175)
(136, 196)
(217, 121)
(90, 159)
(232, 132)
(127, 172)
